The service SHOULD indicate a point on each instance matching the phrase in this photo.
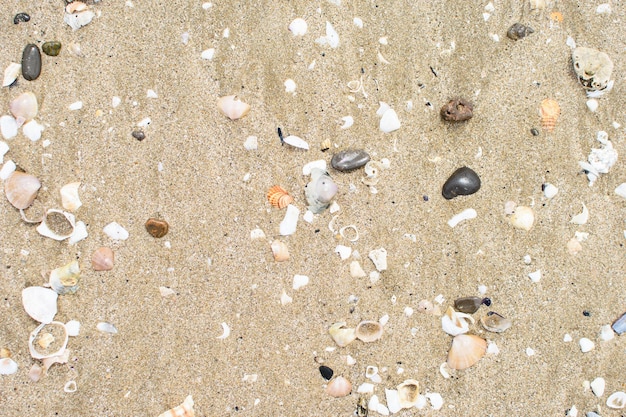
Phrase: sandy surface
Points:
(167, 348)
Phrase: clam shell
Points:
(183, 410)
(342, 335)
(616, 400)
(232, 107)
(549, 110)
(369, 331)
(494, 322)
(102, 259)
(24, 107)
(7, 366)
(389, 121)
(40, 303)
(339, 387)
(10, 74)
(64, 280)
(523, 218)
(465, 351)
(48, 340)
(408, 393)
(280, 251)
(21, 189)
(279, 197)
(57, 225)
(69, 196)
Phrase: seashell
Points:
(106, 327)
(369, 331)
(523, 218)
(102, 259)
(7, 366)
(466, 214)
(379, 258)
(331, 39)
(232, 107)
(296, 142)
(356, 271)
(593, 68)
(80, 233)
(389, 121)
(582, 217)
(79, 18)
(495, 323)
(619, 325)
(289, 223)
(31, 62)
(349, 159)
(35, 373)
(597, 386)
(70, 386)
(280, 251)
(51, 48)
(320, 190)
(8, 129)
(342, 335)
(57, 225)
(24, 107)
(69, 196)
(40, 303)
(519, 31)
(115, 231)
(616, 400)
(463, 181)
(326, 144)
(32, 130)
(320, 163)
(183, 410)
(72, 327)
(457, 110)
(279, 197)
(408, 393)
(339, 387)
(21, 189)
(157, 227)
(549, 110)
(586, 345)
(470, 305)
(549, 190)
(454, 323)
(298, 27)
(10, 74)
(75, 6)
(48, 340)
(64, 280)
(465, 351)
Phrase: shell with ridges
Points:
(102, 259)
(369, 331)
(465, 351)
(232, 107)
(21, 189)
(279, 197)
(339, 387)
(183, 410)
(549, 110)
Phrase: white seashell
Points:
(379, 258)
(32, 130)
(319, 164)
(389, 122)
(21, 189)
(523, 218)
(600, 160)
(341, 335)
(77, 20)
(348, 121)
(57, 225)
(365, 388)
(69, 196)
(352, 236)
(251, 143)
(621, 190)
(64, 280)
(290, 86)
(7, 170)
(382, 108)
(371, 372)
(290, 221)
(280, 251)
(298, 27)
(369, 331)
(466, 214)
(166, 291)
(358, 22)
(106, 327)
(40, 303)
(232, 107)
(343, 251)
(436, 400)
(80, 233)
(408, 393)
(48, 340)
(586, 345)
(549, 190)
(356, 271)
(616, 400)
(320, 190)
(72, 327)
(296, 142)
(208, 54)
(257, 234)
(607, 333)
(285, 299)
(331, 39)
(339, 387)
(115, 231)
(77, 105)
(592, 104)
(11, 73)
(593, 68)
(300, 281)
(8, 126)
(183, 410)
(454, 323)
(604, 8)
(597, 386)
(24, 107)
(4, 148)
(70, 387)
(7, 366)
(535, 276)
(393, 400)
(582, 217)
(225, 331)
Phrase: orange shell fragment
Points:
(278, 197)
(550, 112)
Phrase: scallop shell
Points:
(369, 331)
(280, 251)
(64, 280)
(342, 335)
(339, 387)
(57, 225)
(48, 340)
(21, 189)
(549, 110)
(232, 107)
(279, 197)
(408, 393)
(102, 259)
(465, 351)
(24, 107)
(183, 410)
(523, 218)
(494, 322)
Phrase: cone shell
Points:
(339, 387)
(280, 251)
(550, 112)
(102, 259)
(24, 107)
(342, 335)
(278, 197)
(21, 189)
(183, 410)
(465, 351)
(232, 107)
(369, 331)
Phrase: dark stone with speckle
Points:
(139, 135)
(534, 132)
(519, 31)
(21, 18)
(51, 48)
(457, 110)
(464, 181)
(31, 62)
(470, 305)
(349, 159)
(326, 372)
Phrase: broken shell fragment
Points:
(57, 225)
(10, 74)
(21, 189)
(320, 190)
(619, 325)
(298, 27)
(463, 181)
(40, 303)
(232, 107)
(48, 340)
(7, 366)
(289, 224)
(342, 335)
(339, 387)
(379, 258)
(549, 110)
(279, 197)
(454, 323)
(465, 351)
(69, 196)
(389, 121)
(369, 331)
(183, 410)
(593, 68)
(408, 393)
(495, 323)
(24, 107)
(457, 110)
(102, 259)
(519, 31)
(616, 400)
(64, 280)
(157, 227)
(280, 251)
(523, 218)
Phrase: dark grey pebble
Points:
(457, 110)
(464, 181)
(349, 159)
(31, 62)
(534, 132)
(470, 305)
(139, 135)
(519, 31)
(619, 326)
(21, 18)
(326, 372)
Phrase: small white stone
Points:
(184, 38)
(607, 333)
(384, 319)
(374, 277)
(106, 328)
(115, 231)
(257, 234)
(572, 412)
(348, 121)
(208, 54)
(166, 291)
(604, 8)
(408, 311)
(300, 281)
(246, 177)
(482, 289)
(379, 258)
(616, 125)
(308, 216)
(527, 259)
(251, 143)
(207, 5)
(115, 101)
(492, 348)
(567, 338)
(383, 40)
(490, 7)
(334, 207)
(285, 299)
(298, 27)
(151, 94)
(592, 104)
(495, 37)
(597, 386)
(8, 126)
(586, 345)
(358, 22)
(77, 105)
(549, 190)
(389, 121)
(290, 222)
(530, 351)
(350, 360)
(343, 251)
(72, 327)
(32, 130)
(290, 86)
(356, 271)
(535, 276)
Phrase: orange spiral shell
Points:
(278, 197)
(550, 112)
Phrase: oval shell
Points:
(232, 107)
(21, 189)
(102, 259)
(24, 107)
(339, 387)
(48, 340)
(183, 410)
(616, 400)
(279, 197)
(465, 351)
(369, 331)
(549, 110)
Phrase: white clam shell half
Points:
(40, 303)
(57, 225)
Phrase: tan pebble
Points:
(5, 353)
(157, 227)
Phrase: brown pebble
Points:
(156, 227)
(139, 135)
(457, 110)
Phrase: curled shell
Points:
(342, 335)
(279, 197)
(369, 331)
(320, 190)
(465, 351)
(64, 280)
(57, 225)
(339, 387)
(102, 259)
(10, 74)
(24, 107)
(21, 189)
(232, 107)
(519, 31)
(549, 110)
(183, 410)
(48, 340)
(280, 251)
(408, 393)
(494, 322)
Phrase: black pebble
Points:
(326, 372)
(487, 301)
(586, 313)
(464, 181)
(139, 135)
(534, 132)
(31, 62)
(349, 159)
(468, 305)
(21, 18)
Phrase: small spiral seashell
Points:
(550, 112)
(279, 197)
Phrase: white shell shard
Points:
(166, 292)
(115, 231)
(7, 170)
(393, 400)
(592, 105)
(586, 345)
(549, 190)
(379, 258)
(389, 122)
(232, 107)
(296, 142)
(64, 280)
(40, 303)
(466, 214)
(8, 127)
(455, 323)
(607, 333)
(365, 388)
(604, 8)
(69, 196)
(44, 345)
(331, 39)
(308, 216)
(616, 400)
(523, 218)
(600, 160)
(320, 190)
(348, 121)
(225, 331)
(582, 217)
(57, 225)
(106, 328)
(72, 327)
(11, 73)
(290, 86)
(597, 386)
(436, 400)
(290, 222)
(535, 276)
(257, 234)
(621, 190)
(341, 335)
(7, 366)
(382, 108)
(183, 410)
(4, 148)
(300, 281)
(358, 22)
(32, 130)
(308, 168)
(208, 54)
(298, 27)
(356, 271)
(343, 251)
(78, 19)
(77, 105)
(251, 143)
(80, 233)
(285, 298)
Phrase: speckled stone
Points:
(51, 48)
(470, 305)
(31, 62)
(464, 181)
(457, 110)
(21, 18)
(349, 159)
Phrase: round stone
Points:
(139, 135)
(464, 181)
(31, 62)
(51, 48)
(157, 227)
(349, 159)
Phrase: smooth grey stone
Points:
(463, 181)
(349, 159)
(31, 62)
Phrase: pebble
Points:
(349, 159)
(470, 305)
(51, 48)
(464, 181)
(519, 31)
(327, 373)
(457, 110)
(156, 227)
(21, 18)
(138, 134)
(31, 62)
